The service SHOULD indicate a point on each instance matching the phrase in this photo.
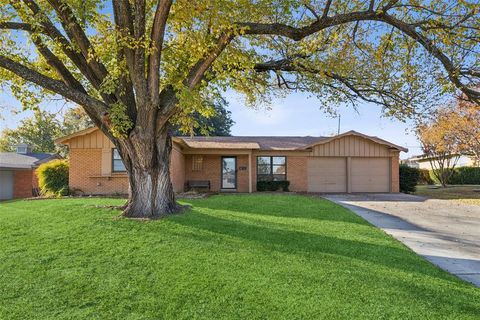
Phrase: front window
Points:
(117, 163)
(271, 168)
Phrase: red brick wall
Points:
(211, 170)
(297, 173)
(85, 174)
(395, 174)
(23, 183)
(177, 170)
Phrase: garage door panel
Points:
(6, 185)
(327, 174)
(370, 175)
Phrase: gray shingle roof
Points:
(24, 161)
(264, 143)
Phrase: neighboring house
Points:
(411, 163)
(423, 162)
(349, 162)
(17, 172)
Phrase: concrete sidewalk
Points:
(445, 232)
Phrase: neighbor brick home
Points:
(17, 172)
(349, 162)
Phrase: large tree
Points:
(135, 65)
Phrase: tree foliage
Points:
(75, 119)
(394, 53)
(41, 130)
(38, 131)
(217, 124)
(466, 123)
(440, 144)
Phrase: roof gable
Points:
(358, 134)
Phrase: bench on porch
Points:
(195, 184)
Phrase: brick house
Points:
(17, 172)
(349, 162)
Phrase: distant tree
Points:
(75, 119)
(217, 124)
(466, 124)
(39, 132)
(440, 144)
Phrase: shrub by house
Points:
(53, 178)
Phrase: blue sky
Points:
(294, 115)
(298, 115)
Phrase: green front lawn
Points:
(462, 193)
(229, 257)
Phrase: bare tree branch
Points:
(326, 9)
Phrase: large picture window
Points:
(271, 168)
(117, 163)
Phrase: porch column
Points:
(250, 172)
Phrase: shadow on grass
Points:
(311, 244)
(283, 206)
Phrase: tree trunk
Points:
(148, 166)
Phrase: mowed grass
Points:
(229, 257)
(463, 193)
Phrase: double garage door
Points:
(6, 185)
(332, 174)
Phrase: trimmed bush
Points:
(425, 177)
(461, 175)
(273, 185)
(409, 178)
(465, 175)
(53, 178)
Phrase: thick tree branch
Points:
(78, 59)
(58, 65)
(16, 26)
(95, 108)
(298, 34)
(77, 35)
(157, 36)
(363, 90)
(124, 26)
(198, 71)
(452, 71)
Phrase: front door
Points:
(229, 172)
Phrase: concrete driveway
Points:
(445, 232)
